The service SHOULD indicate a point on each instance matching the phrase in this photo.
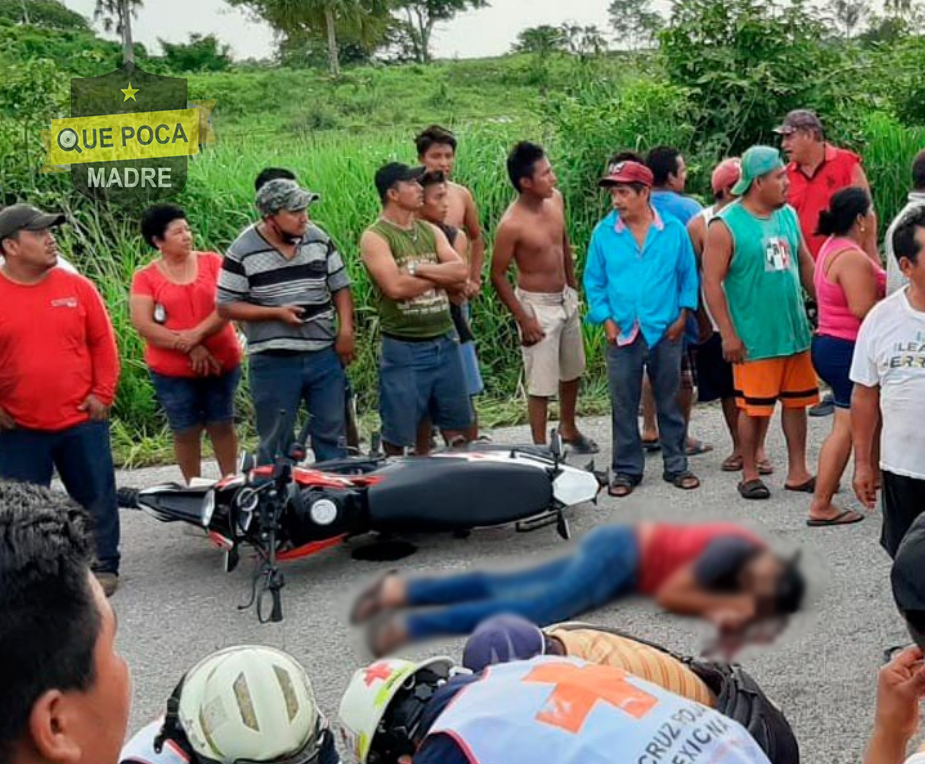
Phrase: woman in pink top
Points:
(848, 284)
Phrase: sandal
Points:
(582, 445)
(385, 634)
(369, 603)
(732, 464)
(651, 446)
(698, 447)
(621, 486)
(808, 487)
(754, 489)
(765, 467)
(845, 517)
(686, 481)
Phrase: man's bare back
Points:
(538, 236)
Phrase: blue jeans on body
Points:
(191, 402)
(281, 382)
(624, 374)
(83, 457)
(603, 567)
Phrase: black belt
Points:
(414, 339)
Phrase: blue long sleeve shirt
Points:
(640, 288)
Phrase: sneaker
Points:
(108, 580)
(826, 407)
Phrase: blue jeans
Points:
(603, 567)
(624, 374)
(83, 457)
(191, 402)
(281, 383)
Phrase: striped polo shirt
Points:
(254, 271)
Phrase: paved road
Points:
(176, 604)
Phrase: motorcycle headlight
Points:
(323, 512)
(208, 508)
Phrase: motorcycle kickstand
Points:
(562, 526)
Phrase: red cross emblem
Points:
(380, 671)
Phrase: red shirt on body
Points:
(810, 195)
(56, 348)
(671, 547)
(187, 306)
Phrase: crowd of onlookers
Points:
(778, 284)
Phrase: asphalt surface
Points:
(176, 604)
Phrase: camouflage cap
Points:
(283, 195)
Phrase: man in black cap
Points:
(285, 282)
(412, 266)
(58, 373)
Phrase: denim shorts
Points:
(419, 380)
(832, 361)
(192, 402)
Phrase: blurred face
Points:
(915, 271)
(761, 576)
(407, 194)
(436, 203)
(291, 224)
(678, 181)
(34, 250)
(542, 182)
(177, 240)
(628, 202)
(771, 189)
(440, 156)
(798, 145)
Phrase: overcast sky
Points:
(486, 32)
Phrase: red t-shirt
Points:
(810, 196)
(671, 547)
(56, 348)
(187, 306)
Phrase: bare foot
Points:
(387, 591)
(386, 634)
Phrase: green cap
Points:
(757, 161)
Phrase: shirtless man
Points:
(437, 152)
(545, 303)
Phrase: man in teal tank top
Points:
(754, 264)
(412, 266)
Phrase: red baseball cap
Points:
(726, 174)
(627, 172)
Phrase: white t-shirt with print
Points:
(890, 353)
(917, 758)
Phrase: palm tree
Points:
(116, 15)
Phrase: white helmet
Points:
(369, 694)
(248, 703)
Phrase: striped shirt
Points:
(256, 272)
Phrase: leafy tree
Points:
(885, 30)
(542, 40)
(421, 16)
(848, 14)
(116, 16)
(200, 54)
(635, 22)
(49, 14)
(584, 41)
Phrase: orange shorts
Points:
(760, 384)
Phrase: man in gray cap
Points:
(285, 282)
(59, 368)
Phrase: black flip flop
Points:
(651, 446)
(682, 480)
(754, 489)
(625, 483)
(837, 520)
(808, 487)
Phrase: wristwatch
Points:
(412, 267)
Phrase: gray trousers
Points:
(625, 367)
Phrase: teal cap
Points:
(757, 161)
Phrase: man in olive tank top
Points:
(412, 266)
(754, 263)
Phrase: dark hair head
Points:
(522, 160)
(272, 173)
(915, 622)
(49, 620)
(433, 136)
(845, 207)
(663, 161)
(918, 171)
(433, 178)
(156, 218)
(625, 156)
(904, 243)
(791, 586)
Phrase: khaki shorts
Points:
(560, 355)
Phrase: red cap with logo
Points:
(627, 172)
(726, 174)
